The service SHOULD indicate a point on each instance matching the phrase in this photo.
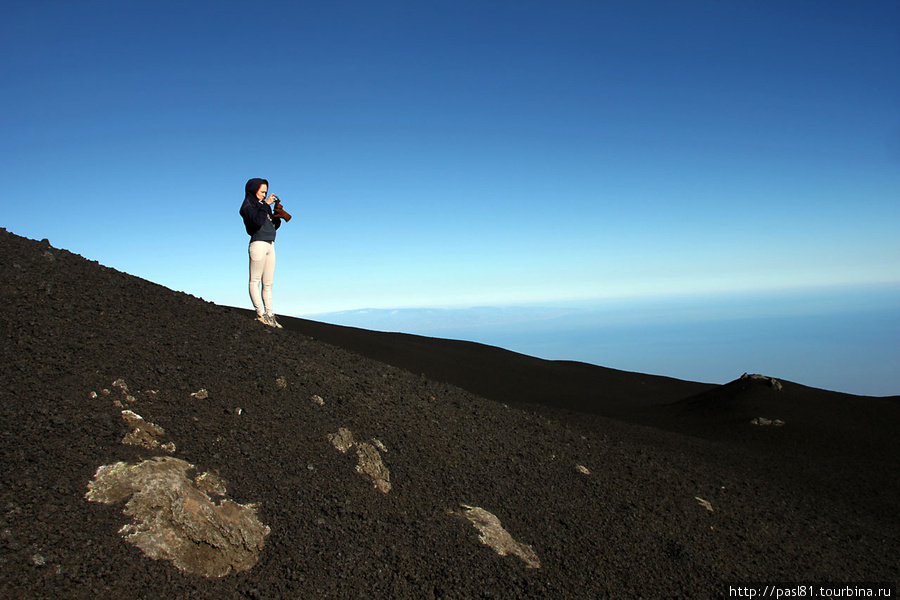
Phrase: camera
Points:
(279, 210)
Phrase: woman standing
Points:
(261, 223)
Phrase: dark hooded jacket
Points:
(258, 218)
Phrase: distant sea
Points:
(845, 340)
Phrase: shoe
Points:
(273, 322)
(263, 318)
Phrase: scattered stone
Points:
(318, 400)
(767, 422)
(281, 383)
(773, 383)
(704, 503)
(380, 445)
(342, 440)
(202, 394)
(145, 434)
(494, 535)
(370, 463)
(175, 520)
(120, 383)
(582, 469)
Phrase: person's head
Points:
(256, 188)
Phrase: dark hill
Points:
(508, 376)
(822, 423)
(607, 507)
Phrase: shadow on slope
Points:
(817, 422)
(506, 376)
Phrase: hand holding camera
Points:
(279, 209)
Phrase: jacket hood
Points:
(252, 187)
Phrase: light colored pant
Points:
(262, 273)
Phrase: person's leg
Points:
(268, 279)
(258, 252)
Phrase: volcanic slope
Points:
(838, 443)
(590, 507)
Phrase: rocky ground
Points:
(324, 462)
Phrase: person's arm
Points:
(254, 212)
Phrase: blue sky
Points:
(450, 154)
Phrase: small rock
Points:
(202, 394)
(318, 400)
(145, 434)
(281, 382)
(342, 440)
(494, 535)
(767, 422)
(582, 469)
(175, 520)
(704, 503)
(773, 383)
(370, 463)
